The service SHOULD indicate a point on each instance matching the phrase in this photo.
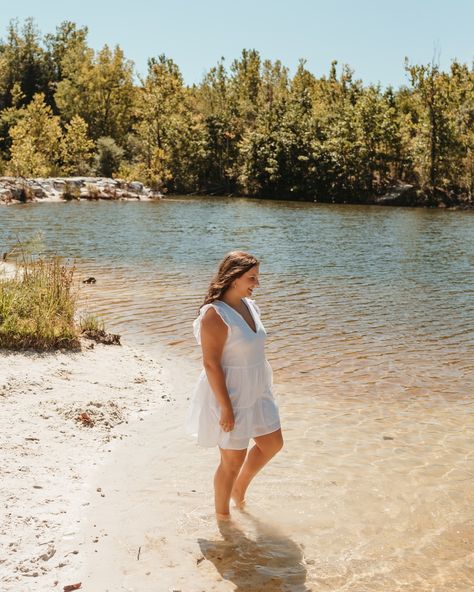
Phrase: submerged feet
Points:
(238, 497)
(239, 503)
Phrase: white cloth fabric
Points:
(248, 377)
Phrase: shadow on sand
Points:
(271, 562)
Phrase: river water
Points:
(370, 320)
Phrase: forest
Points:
(249, 128)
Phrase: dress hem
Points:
(195, 437)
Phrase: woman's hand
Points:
(227, 420)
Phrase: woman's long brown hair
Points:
(234, 265)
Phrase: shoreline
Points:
(62, 415)
(18, 190)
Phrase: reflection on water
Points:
(268, 561)
(370, 320)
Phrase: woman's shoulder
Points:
(212, 318)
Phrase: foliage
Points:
(169, 132)
(250, 128)
(99, 88)
(23, 63)
(443, 106)
(38, 304)
(108, 157)
(77, 149)
(35, 141)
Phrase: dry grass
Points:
(90, 322)
(37, 307)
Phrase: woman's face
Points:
(247, 282)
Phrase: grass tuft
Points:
(38, 303)
(93, 328)
(91, 323)
(37, 306)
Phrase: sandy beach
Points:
(102, 490)
(126, 504)
(61, 414)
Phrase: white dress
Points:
(248, 377)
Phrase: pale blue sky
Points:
(371, 36)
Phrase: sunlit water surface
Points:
(369, 313)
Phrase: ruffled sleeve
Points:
(198, 320)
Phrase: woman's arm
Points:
(213, 338)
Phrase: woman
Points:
(233, 400)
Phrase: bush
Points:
(93, 192)
(108, 157)
(71, 192)
(26, 193)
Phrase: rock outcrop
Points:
(54, 189)
(401, 194)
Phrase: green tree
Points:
(77, 149)
(35, 141)
(58, 45)
(267, 140)
(10, 116)
(108, 157)
(434, 142)
(461, 110)
(169, 130)
(338, 98)
(245, 85)
(221, 129)
(99, 88)
(377, 141)
(23, 61)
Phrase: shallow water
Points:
(366, 495)
(369, 313)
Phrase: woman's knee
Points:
(232, 462)
(278, 442)
(270, 444)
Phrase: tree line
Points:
(247, 129)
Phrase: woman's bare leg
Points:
(227, 471)
(265, 448)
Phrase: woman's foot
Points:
(223, 517)
(238, 497)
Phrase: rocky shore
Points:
(15, 190)
(56, 189)
(406, 195)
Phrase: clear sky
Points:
(372, 36)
